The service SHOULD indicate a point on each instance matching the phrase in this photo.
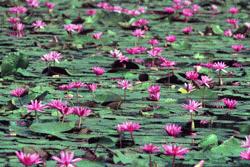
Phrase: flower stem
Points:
(124, 95)
(173, 161)
(132, 137)
(150, 161)
(80, 122)
(20, 101)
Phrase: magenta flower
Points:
(76, 85)
(187, 12)
(150, 148)
(57, 104)
(80, 112)
(154, 52)
(64, 87)
(136, 50)
(39, 24)
(192, 75)
(28, 159)
(140, 23)
(233, 10)
(52, 56)
(172, 129)
(167, 63)
(200, 164)
(154, 92)
(36, 106)
(220, 66)
(192, 106)
(170, 38)
(124, 84)
(14, 20)
(169, 10)
(153, 42)
(230, 103)
(233, 22)
(98, 71)
(239, 36)
(175, 151)
(228, 33)
(90, 12)
(245, 154)
(237, 48)
(128, 127)
(115, 53)
(123, 58)
(195, 8)
(33, 3)
(70, 28)
(50, 5)
(246, 144)
(97, 35)
(18, 92)
(92, 87)
(66, 159)
(187, 30)
(189, 87)
(18, 10)
(19, 27)
(138, 33)
(205, 80)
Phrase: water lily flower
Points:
(155, 52)
(128, 127)
(18, 92)
(220, 66)
(91, 87)
(28, 159)
(153, 42)
(80, 112)
(36, 106)
(175, 151)
(230, 103)
(237, 48)
(124, 84)
(136, 50)
(66, 159)
(97, 35)
(50, 5)
(154, 92)
(173, 129)
(90, 12)
(192, 106)
(187, 30)
(115, 53)
(76, 84)
(39, 24)
(18, 10)
(33, 3)
(246, 144)
(192, 75)
(189, 87)
(169, 10)
(200, 164)
(233, 10)
(245, 154)
(205, 80)
(138, 33)
(170, 38)
(52, 56)
(187, 13)
(233, 22)
(14, 20)
(239, 36)
(98, 71)
(150, 149)
(228, 33)
(140, 23)
(57, 104)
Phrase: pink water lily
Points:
(192, 106)
(18, 92)
(36, 106)
(230, 103)
(173, 129)
(52, 56)
(150, 148)
(66, 159)
(245, 154)
(246, 143)
(192, 75)
(28, 159)
(39, 24)
(33, 3)
(98, 71)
